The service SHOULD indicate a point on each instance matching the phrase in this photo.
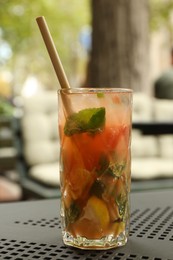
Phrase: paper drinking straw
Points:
(56, 62)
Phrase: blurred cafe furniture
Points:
(152, 143)
(38, 162)
(10, 190)
(8, 152)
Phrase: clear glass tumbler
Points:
(95, 175)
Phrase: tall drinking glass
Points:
(95, 139)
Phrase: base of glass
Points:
(104, 243)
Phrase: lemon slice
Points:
(98, 211)
(117, 228)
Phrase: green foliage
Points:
(18, 27)
(5, 107)
(18, 19)
(160, 14)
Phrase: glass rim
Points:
(94, 90)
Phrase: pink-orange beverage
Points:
(95, 138)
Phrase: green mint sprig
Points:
(89, 120)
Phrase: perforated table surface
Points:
(31, 230)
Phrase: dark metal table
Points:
(31, 230)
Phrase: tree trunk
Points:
(120, 44)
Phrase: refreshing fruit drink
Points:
(95, 166)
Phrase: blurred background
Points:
(126, 44)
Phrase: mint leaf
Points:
(103, 164)
(122, 204)
(87, 120)
(116, 170)
(97, 188)
(72, 213)
(100, 95)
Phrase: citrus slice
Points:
(118, 227)
(97, 211)
(94, 223)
